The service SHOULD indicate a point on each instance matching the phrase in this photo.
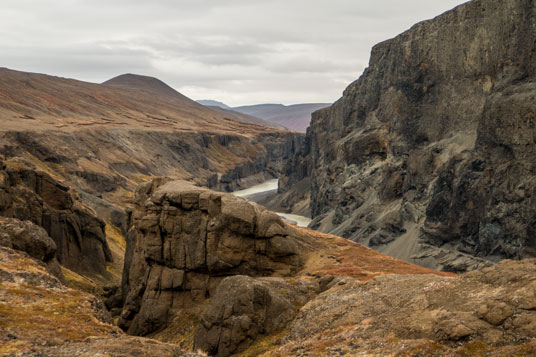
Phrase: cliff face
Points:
(185, 239)
(429, 155)
(79, 240)
(109, 161)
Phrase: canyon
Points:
(132, 221)
(426, 155)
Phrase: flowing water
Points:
(264, 189)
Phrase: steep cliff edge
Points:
(78, 236)
(429, 155)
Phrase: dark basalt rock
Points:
(440, 128)
(31, 239)
(79, 238)
(243, 308)
(185, 239)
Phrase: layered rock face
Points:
(103, 161)
(79, 241)
(185, 239)
(429, 156)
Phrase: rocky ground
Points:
(210, 272)
(40, 316)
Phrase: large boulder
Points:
(244, 308)
(185, 239)
(32, 239)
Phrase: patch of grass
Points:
(181, 329)
(79, 282)
(114, 234)
(39, 316)
(475, 348)
(265, 344)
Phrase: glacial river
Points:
(266, 188)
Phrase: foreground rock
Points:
(28, 194)
(244, 308)
(39, 316)
(433, 146)
(490, 312)
(186, 239)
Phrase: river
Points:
(265, 189)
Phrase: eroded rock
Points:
(27, 194)
(439, 128)
(185, 239)
(32, 239)
(244, 308)
(413, 315)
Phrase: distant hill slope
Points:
(244, 118)
(213, 103)
(145, 83)
(106, 138)
(295, 117)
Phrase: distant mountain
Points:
(296, 117)
(144, 83)
(213, 103)
(244, 118)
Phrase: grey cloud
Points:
(238, 51)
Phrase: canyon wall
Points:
(429, 155)
(79, 241)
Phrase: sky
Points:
(240, 52)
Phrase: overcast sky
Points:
(236, 51)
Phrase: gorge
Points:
(135, 221)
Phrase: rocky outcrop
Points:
(433, 145)
(488, 312)
(79, 239)
(244, 308)
(185, 239)
(31, 239)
